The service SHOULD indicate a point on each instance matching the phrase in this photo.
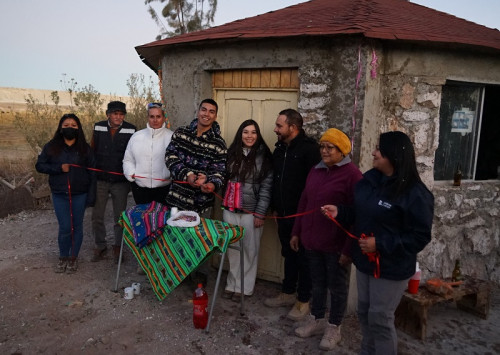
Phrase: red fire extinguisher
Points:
(200, 303)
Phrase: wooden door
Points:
(263, 106)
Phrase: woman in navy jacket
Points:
(395, 209)
(73, 188)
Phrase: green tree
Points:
(183, 16)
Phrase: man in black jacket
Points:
(109, 141)
(294, 156)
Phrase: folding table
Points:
(172, 253)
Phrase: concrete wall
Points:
(326, 70)
(405, 94)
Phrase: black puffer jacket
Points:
(401, 226)
(291, 165)
(81, 180)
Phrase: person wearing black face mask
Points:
(69, 133)
(65, 158)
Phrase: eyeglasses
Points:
(155, 105)
(327, 147)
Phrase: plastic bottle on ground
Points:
(200, 304)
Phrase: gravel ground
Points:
(42, 312)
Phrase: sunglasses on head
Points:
(155, 105)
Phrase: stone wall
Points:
(405, 95)
(466, 227)
(327, 73)
(466, 222)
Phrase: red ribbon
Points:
(373, 257)
(71, 216)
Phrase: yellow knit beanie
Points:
(338, 138)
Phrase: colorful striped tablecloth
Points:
(177, 251)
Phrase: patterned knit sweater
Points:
(186, 153)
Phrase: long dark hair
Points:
(57, 142)
(398, 148)
(241, 166)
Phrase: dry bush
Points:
(40, 119)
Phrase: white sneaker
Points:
(331, 337)
(311, 327)
(283, 299)
(299, 311)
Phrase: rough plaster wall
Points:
(372, 109)
(406, 96)
(327, 74)
(466, 221)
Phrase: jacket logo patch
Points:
(385, 204)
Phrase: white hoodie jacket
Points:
(144, 160)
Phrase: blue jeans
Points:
(377, 302)
(70, 235)
(328, 275)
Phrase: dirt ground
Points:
(42, 312)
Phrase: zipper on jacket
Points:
(281, 181)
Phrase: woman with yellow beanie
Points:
(327, 248)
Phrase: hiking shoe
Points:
(311, 327)
(72, 266)
(331, 337)
(61, 266)
(227, 294)
(299, 311)
(283, 299)
(99, 254)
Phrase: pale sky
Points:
(93, 41)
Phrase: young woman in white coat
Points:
(144, 160)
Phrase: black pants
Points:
(297, 276)
(327, 275)
(147, 195)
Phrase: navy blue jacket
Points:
(81, 180)
(291, 165)
(401, 226)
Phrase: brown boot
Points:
(99, 254)
(116, 254)
(72, 266)
(61, 265)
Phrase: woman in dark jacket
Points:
(247, 197)
(73, 188)
(394, 208)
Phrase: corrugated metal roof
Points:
(380, 19)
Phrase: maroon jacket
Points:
(326, 185)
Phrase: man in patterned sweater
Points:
(197, 154)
